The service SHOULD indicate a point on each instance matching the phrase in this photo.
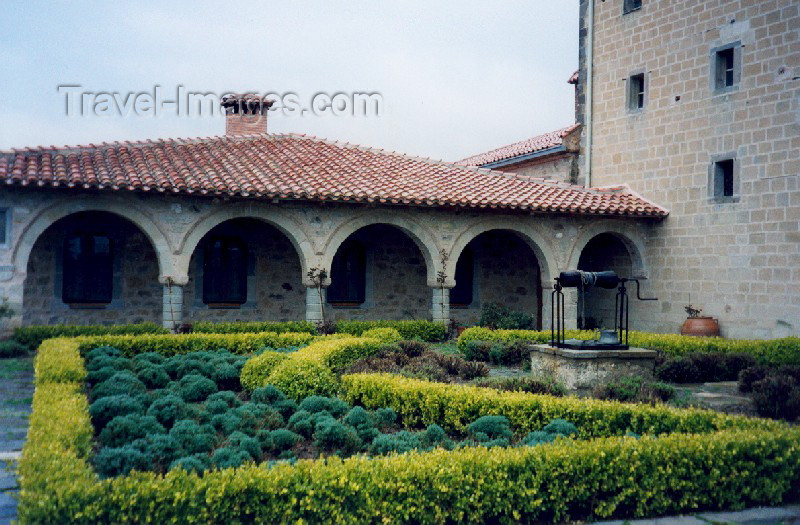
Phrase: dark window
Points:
(3, 226)
(726, 66)
(348, 275)
(723, 178)
(636, 92)
(461, 294)
(225, 272)
(88, 269)
(631, 5)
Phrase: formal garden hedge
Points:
(773, 351)
(724, 462)
(32, 336)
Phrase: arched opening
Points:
(496, 267)
(378, 272)
(596, 306)
(244, 270)
(92, 267)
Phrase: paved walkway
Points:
(16, 390)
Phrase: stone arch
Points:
(288, 226)
(49, 216)
(629, 234)
(422, 237)
(534, 239)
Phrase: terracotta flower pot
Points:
(700, 327)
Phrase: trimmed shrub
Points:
(429, 331)
(283, 439)
(227, 457)
(531, 385)
(123, 429)
(258, 368)
(751, 375)
(32, 336)
(634, 389)
(58, 361)
(98, 376)
(105, 409)
(705, 367)
(153, 376)
(159, 450)
(334, 436)
(119, 384)
(193, 438)
(194, 388)
(332, 405)
(561, 427)
(196, 463)
(12, 349)
(241, 441)
(169, 345)
(492, 426)
(773, 351)
(300, 378)
(267, 394)
(168, 409)
(118, 461)
(384, 335)
(455, 406)
(240, 327)
(777, 396)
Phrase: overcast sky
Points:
(456, 77)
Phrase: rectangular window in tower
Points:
(636, 92)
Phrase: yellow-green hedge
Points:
(771, 351)
(246, 343)
(256, 369)
(421, 402)
(429, 331)
(566, 480)
(239, 327)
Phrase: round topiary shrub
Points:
(241, 441)
(538, 437)
(283, 440)
(124, 429)
(227, 397)
(256, 370)
(225, 375)
(107, 408)
(146, 359)
(333, 436)
(267, 394)
(226, 423)
(118, 461)
(300, 378)
(168, 409)
(118, 384)
(363, 422)
(159, 450)
(153, 376)
(385, 417)
(98, 376)
(384, 335)
(399, 442)
(195, 363)
(196, 463)
(109, 351)
(285, 408)
(194, 388)
(103, 360)
(193, 438)
(561, 427)
(227, 457)
(495, 427)
(333, 405)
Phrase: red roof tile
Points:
(299, 167)
(524, 147)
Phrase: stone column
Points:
(173, 306)
(440, 304)
(314, 313)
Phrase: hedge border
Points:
(555, 482)
(769, 351)
(33, 335)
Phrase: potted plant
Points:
(699, 325)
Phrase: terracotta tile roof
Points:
(538, 143)
(299, 167)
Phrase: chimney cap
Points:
(249, 103)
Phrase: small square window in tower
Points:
(631, 5)
(723, 178)
(636, 89)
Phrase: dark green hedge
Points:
(239, 327)
(32, 336)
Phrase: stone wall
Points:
(165, 234)
(136, 293)
(555, 167)
(739, 260)
(506, 272)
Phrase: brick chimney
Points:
(245, 114)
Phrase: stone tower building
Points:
(696, 106)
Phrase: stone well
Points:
(582, 370)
